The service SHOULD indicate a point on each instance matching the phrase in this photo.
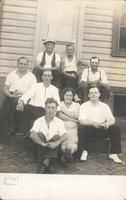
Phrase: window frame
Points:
(116, 50)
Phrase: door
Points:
(57, 19)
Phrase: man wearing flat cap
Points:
(50, 60)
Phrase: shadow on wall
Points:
(2, 96)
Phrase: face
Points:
(49, 47)
(70, 50)
(68, 97)
(94, 64)
(94, 94)
(22, 65)
(51, 109)
(47, 76)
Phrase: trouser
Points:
(69, 81)
(113, 133)
(9, 118)
(46, 152)
(30, 114)
(105, 91)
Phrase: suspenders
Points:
(88, 76)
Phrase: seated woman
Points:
(69, 112)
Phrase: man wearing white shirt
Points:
(94, 75)
(97, 120)
(48, 59)
(17, 83)
(48, 132)
(32, 103)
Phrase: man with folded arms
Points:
(49, 133)
(97, 121)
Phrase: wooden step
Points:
(121, 122)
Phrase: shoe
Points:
(45, 167)
(84, 155)
(115, 158)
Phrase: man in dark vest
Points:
(48, 59)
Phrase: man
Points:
(49, 133)
(17, 83)
(69, 68)
(32, 103)
(48, 59)
(97, 120)
(94, 76)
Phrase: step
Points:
(121, 122)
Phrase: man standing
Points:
(32, 103)
(94, 76)
(49, 133)
(17, 83)
(97, 120)
(48, 59)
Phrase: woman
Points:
(69, 111)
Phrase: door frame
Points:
(41, 22)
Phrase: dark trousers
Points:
(45, 152)
(9, 118)
(30, 114)
(113, 133)
(69, 81)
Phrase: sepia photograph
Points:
(62, 99)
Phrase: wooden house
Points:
(97, 27)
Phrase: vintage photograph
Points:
(63, 87)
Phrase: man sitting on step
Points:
(97, 120)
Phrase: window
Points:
(119, 31)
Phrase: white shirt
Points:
(96, 113)
(24, 83)
(70, 65)
(98, 75)
(48, 59)
(39, 93)
(56, 127)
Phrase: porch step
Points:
(121, 122)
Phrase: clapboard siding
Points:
(19, 16)
(14, 36)
(17, 33)
(97, 40)
(23, 23)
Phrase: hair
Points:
(51, 100)
(94, 57)
(70, 45)
(21, 58)
(90, 86)
(45, 70)
(68, 89)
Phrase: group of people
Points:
(59, 105)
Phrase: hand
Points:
(20, 106)
(97, 124)
(18, 93)
(52, 145)
(106, 125)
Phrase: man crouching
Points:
(49, 133)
